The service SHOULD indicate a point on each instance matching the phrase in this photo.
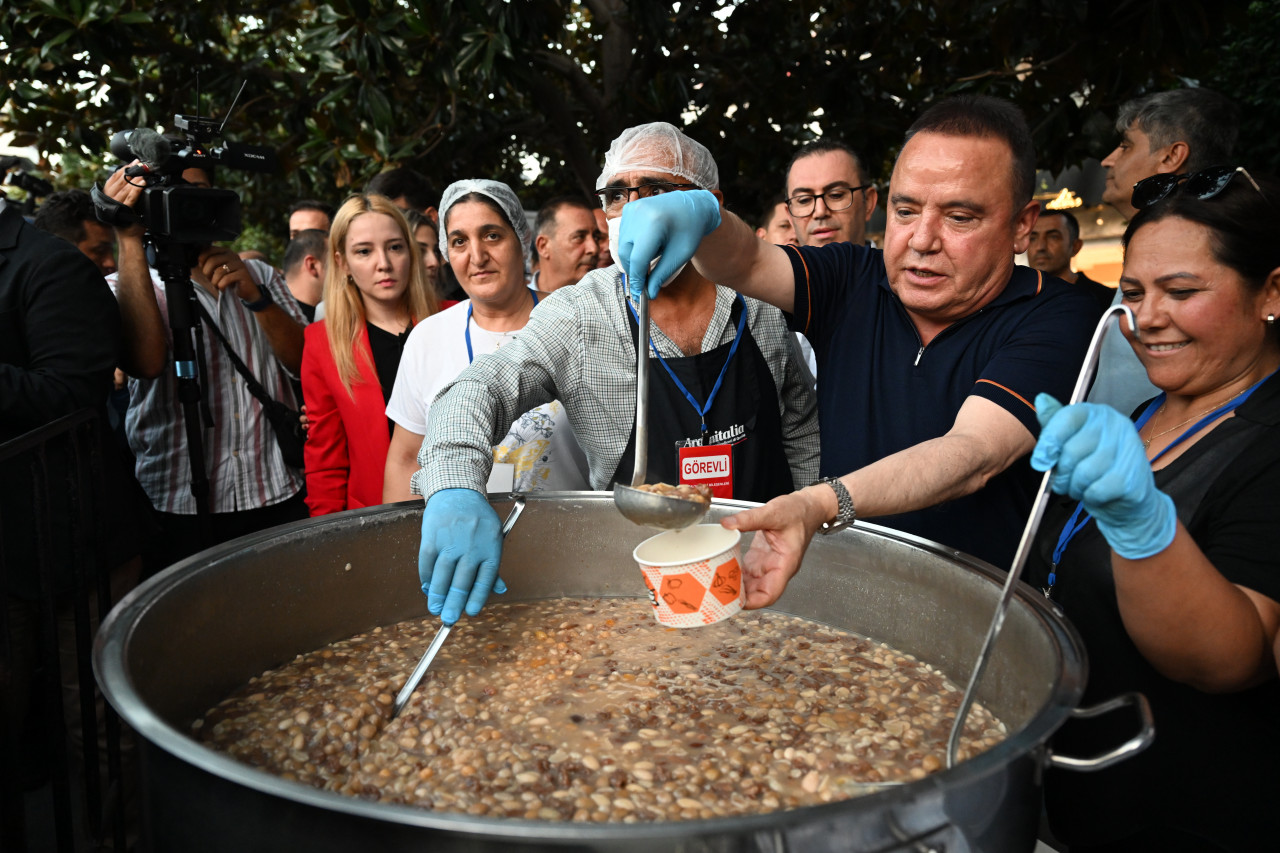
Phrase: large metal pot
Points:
(189, 636)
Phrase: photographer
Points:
(250, 486)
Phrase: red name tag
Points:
(708, 466)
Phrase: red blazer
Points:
(346, 449)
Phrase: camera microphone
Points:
(143, 144)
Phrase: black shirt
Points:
(881, 390)
(1210, 773)
(387, 348)
(1101, 294)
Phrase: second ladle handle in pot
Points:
(1083, 381)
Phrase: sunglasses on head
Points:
(1204, 184)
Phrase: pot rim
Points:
(111, 647)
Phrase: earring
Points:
(351, 281)
(1271, 319)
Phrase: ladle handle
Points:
(402, 698)
(1087, 371)
(642, 389)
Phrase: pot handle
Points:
(1131, 747)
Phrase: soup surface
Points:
(589, 710)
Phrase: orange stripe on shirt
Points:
(1009, 391)
(808, 291)
(1039, 284)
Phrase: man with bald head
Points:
(929, 352)
(829, 196)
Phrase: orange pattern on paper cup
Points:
(695, 594)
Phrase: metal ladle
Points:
(641, 507)
(406, 692)
(1087, 371)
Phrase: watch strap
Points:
(264, 301)
(846, 513)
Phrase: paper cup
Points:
(694, 575)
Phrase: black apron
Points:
(744, 415)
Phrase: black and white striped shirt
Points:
(243, 461)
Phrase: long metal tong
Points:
(402, 698)
(1083, 381)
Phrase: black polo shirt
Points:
(880, 390)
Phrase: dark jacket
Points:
(59, 343)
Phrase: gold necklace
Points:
(1147, 442)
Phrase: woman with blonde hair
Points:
(375, 291)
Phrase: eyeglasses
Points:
(613, 199)
(840, 198)
(1204, 184)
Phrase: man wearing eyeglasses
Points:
(730, 405)
(929, 352)
(828, 196)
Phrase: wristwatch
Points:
(264, 301)
(845, 513)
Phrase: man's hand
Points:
(785, 526)
(127, 192)
(225, 271)
(668, 226)
(459, 554)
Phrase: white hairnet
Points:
(660, 147)
(500, 194)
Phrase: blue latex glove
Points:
(1099, 460)
(669, 226)
(459, 555)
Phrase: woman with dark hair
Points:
(375, 290)
(1165, 556)
(485, 239)
(427, 235)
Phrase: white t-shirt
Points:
(540, 445)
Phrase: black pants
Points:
(179, 535)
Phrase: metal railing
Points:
(60, 467)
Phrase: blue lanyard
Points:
(1079, 518)
(715, 389)
(466, 334)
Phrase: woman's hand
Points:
(785, 527)
(1098, 459)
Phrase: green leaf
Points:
(25, 91)
(379, 106)
(55, 41)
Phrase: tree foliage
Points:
(460, 88)
(1243, 68)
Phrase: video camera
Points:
(171, 209)
(17, 172)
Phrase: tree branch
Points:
(1018, 72)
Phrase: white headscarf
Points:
(500, 194)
